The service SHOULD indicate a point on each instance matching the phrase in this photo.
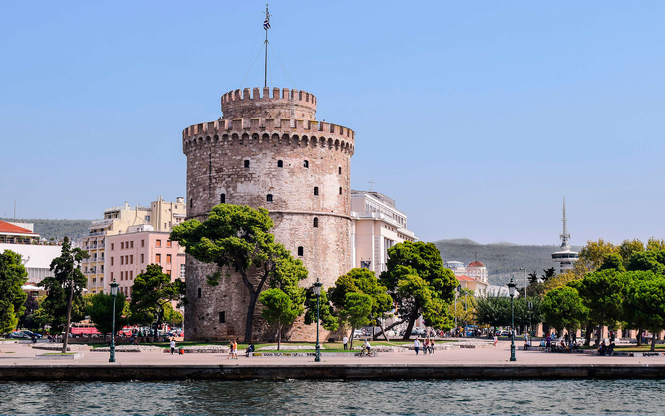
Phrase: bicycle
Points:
(364, 353)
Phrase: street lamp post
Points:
(114, 293)
(525, 298)
(317, 292)
(511, 290)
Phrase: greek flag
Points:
(266, 23)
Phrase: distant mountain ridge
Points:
(502, 259)
(57, 229)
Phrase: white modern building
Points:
(377, 226)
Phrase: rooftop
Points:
(476, 264)
(9, 228)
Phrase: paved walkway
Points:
(23, 354)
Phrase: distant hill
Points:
(502, 259)
(57, 229)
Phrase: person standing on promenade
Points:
(230, 350)
(345, 341)
(496, 340)
(172, 345)
(548, 343)
(416, 345)
(235, 349)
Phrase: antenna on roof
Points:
(371, 184)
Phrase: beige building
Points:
(129, 253)
(162, 216)
(377, 226)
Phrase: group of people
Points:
(565, 344)
(427, 345)
(233, 350)
(605, 349)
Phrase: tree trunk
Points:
(353, 331)
(639, 336)
(587, 335)
(279, 335)
(69, 316)
(653, 340)
(253, 297)
(394, 324)
(409, 327)
(600, 335)
(383, 331)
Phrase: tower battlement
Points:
(284, 103)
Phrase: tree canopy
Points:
(100, 311)
(563, 308)
(12, 297)
(278, 308)
(152, 294)
(645, 303)
(419, 284)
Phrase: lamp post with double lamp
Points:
(317, 292)
(511, 291)
(114, 293)
(525, 297)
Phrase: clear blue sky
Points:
(477, 117)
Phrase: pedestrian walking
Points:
(416, 345)
(230, 350)
(172, 345)
(235, 349)
(496, 340)
(345, 341)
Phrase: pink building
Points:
(129, 254)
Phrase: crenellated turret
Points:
(283, 104)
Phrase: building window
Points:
(131, 244)
(158, 243)
(306, 163)
(301, 251)
(122, 246)
(340, 190)
(222, 199)
(340, 170)
(168, 272)
(122, 260)
(199, 292)
(191, 203)
(142, 258)
(168, 259)
(269, 198)
(316, 190)
(131, 259)
(316, 222)
(111, 246)
(127, 259)
(142, 243)
(280, 164)
(158, 258)
(222, 317)
(246, 164)
(131, 275)
(111, 261)
(169, 243)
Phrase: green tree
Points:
(172, 316)
(612, 261)
(547, 274)
(327, 316)
(602, 294)
(628, 247)
(435, 286)
(463, 311)
(655, 244)
(493, 310)
(653, 260)
(100, 311)
(237, 238)
(65, 289)
(563, 308)
(152, 292)
(645, 305)
(278, 308)
(532, 277)
(12, 298)
(593, 254)
(357, 310)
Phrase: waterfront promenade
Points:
(18, 362)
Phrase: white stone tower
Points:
(566, 257)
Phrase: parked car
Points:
(30, 333)
(19, 335)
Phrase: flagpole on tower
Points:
(266, 26)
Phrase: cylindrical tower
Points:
(268, 151)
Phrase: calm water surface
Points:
(588, 397)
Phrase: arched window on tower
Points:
(191, 202)
(340, 170)
(306, 163)
(340, 190)
(222, 199)
(269, 198)
(301, 251)
(316, 222)
(280, 164)
(199, 292)
(246, 164)
(316, 190)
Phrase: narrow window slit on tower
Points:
(340, 190)
(316, 190)
(222, 199)
(246, 164)
(222, 317)
(301, 251)
(199, 292)
(316, 222)
(340, 170)
(269, 198)
(306, 163)
(280, 164)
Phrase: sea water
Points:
(412, 397)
